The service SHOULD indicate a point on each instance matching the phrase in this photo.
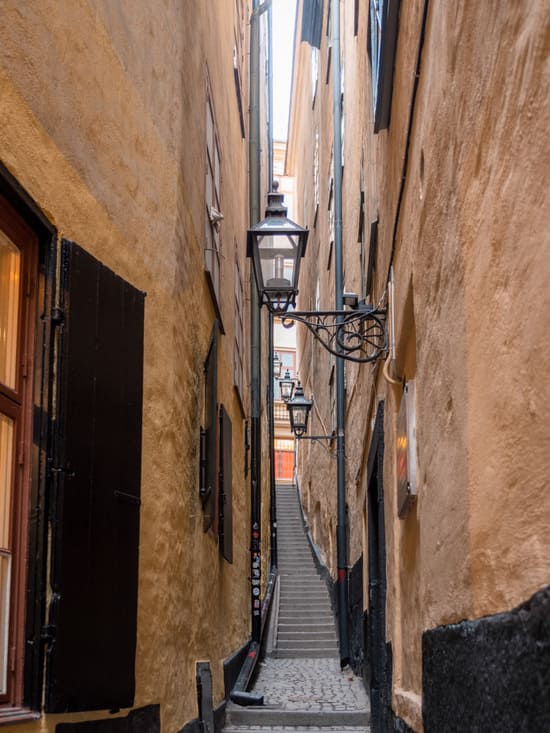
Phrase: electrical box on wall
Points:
(406, 451)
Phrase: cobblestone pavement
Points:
(314, 685)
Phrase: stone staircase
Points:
(305, 624)
(304, 689)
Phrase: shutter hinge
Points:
(57, 315)
(47, 633)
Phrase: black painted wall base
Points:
(141, 720)
(356, 619)
(399, 726)
(492, 674)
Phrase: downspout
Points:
(270, 95)
(272, 489)
(270, 395)
(239, 693)
(254, 163)
(341, 530)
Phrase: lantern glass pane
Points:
(300, 414)
(278, 254)
(286, 390)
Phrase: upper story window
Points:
(238, 353)
(238, 60)
(316, 182)
(213, 212)
(382, 43)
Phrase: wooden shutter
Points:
(226, 486)
(95, 512)
(210, 492)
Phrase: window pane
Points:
(6, 461)
(10, 274)
(5, 564)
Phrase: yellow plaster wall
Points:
(471, 302)
(103, 123)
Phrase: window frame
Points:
(212, 197)
(239, 346)
(17, 404)
(382, 39)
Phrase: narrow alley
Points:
(300, 678)
(274, 330)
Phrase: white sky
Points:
(284, 14)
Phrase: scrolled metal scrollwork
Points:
(357, 335)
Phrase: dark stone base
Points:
(232, 666)
(399, 726)
(492, 674)
(141, 720)
(357, 619)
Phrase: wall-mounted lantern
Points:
(276, 246)
(299, 408)
(286, 387)
(277, 365)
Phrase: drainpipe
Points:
(255, 330)
(341, 532)
(270, 95)
(272, 491)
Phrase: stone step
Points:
(306, 602)
(264, 716)
(303, 644)
(298, 627)
(297, 636)
(309, 620)
(295, 729)
(305, 653)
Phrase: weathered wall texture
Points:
(460, 188)
(103, 123)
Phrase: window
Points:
(226, 487)
(382, 43)
(316, 183)
(213, 206)
(329, 39)
(361, 238)
(18, 275)
(314, 73)
(237, 74)
(331, 223)
(373, 249)
(238, 351)
(68, 575)
(210, 436)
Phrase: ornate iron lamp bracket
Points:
(358, 335)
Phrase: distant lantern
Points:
(286, 387)
(276, 246)
(277, 365)
(299, 408)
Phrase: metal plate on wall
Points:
(406, 451)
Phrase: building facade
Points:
(445, 228)
(124, 448)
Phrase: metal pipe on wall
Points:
(272, 487)
(255, 330)
(341, 529)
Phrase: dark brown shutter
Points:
(95, 513)
(226, 486)
(210, 491)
